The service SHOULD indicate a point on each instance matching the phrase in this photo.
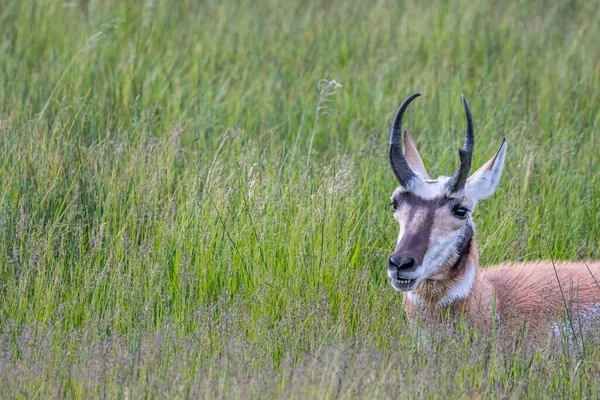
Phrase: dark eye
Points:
(460, 212)
(394, 205)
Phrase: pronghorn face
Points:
(436, 228)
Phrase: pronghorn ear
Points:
(483, 182)
(412, 156)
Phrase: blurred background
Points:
(194, 194)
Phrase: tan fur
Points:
(517, 294)
(533, 290)
(476, 306)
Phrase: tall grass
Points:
(191, 207)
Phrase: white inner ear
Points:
(484, 181)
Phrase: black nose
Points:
(401, 264)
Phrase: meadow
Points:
(194, 195)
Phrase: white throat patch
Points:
(461, 289)
(416, 300)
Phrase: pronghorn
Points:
(436, 262)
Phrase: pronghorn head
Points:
(436, 228)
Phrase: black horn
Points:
(458, 180)
(401, 169)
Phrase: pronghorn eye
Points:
(460, 212)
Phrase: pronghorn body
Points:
(436, 262)
(514, 295)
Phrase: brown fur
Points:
(541, 291)
(521, 293)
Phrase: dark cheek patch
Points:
(463, 249)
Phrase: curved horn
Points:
(401, 169)
(458, 180)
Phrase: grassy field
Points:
(194, 195)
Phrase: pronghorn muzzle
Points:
(405, 261)
(397, 268)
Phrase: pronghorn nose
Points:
(401, 264)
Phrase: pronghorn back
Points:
(544, 290)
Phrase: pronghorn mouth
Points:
(403, 284)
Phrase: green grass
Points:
(186, 211)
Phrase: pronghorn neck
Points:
(458, 286)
